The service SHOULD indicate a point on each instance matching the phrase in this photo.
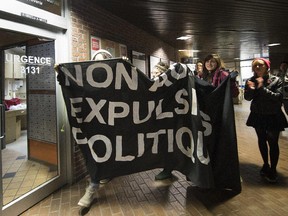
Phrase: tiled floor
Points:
(19, 174)
(139, 194)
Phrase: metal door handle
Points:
(2, 113)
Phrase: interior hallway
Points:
(20, 174)
(139, 194)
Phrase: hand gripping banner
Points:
(125, 122)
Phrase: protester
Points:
(158, 69)
(264, 90)
(101, 54)
(282, 69)
(88, 197)
(283, 74)
(214, 73)
(199, 69)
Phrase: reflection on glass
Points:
(29, 159)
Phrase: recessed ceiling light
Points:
(184, 37)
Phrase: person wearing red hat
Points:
(264, 90)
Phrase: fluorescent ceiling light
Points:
(273, 44)
(188, 50)
(184, 37)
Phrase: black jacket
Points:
(266, 100)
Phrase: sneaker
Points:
(105, 181)
(272, 177)
(88, 197)
(165, 174)
(265, 170)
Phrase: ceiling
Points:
(232, 28)
(14, 40)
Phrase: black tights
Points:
(270, 137)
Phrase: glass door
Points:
(30, 152)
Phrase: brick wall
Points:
(88, 19)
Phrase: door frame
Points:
(29, 199)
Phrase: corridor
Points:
(139, 194)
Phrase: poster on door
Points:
(95, 44)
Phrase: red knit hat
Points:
(266, 61)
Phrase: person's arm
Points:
(233, 75)
(234, 88)
(249, 90)
(276, 94)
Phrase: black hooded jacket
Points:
(266, 100)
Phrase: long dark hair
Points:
(220, 63)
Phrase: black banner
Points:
(125, 122)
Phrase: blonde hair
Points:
(257, 61)
(161, 67)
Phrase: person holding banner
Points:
(199, 69)
(88, 197)
(264, 90)
(158, 69)
(214, 73)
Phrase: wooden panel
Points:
(230, 28)
(42, 152)
(13, 124)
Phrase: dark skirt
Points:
(269, 122)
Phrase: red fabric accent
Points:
(219, 76)
(11, 102)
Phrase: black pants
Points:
(268, 139)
